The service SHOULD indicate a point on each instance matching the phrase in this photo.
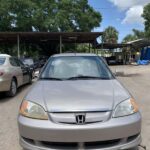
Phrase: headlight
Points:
(126, 108)
(32, 110)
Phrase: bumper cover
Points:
(115, 128)
(125, 146)
(5, 85)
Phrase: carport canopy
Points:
(140, 43)
(53, 37)
(111, 45)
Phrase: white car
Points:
(13, 74)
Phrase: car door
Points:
(25, 71)
(16, 70)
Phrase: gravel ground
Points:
(135, 78)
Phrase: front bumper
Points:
(34, 133)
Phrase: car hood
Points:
(77, 95)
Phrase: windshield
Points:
(69, 67)
(28, 62)
(2, 60)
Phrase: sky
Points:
(124, 15)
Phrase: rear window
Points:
(28, 62)
(2, 60)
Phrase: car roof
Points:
(74, 54)
(4, 55)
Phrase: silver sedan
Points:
(77, 103)
(13, 74)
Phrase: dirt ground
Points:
(135, 78)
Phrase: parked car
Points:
(13, 74)
(30, 63)
(111, 60)
(43, 60)
(77, 103)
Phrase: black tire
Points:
(13, 89)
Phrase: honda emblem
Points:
(80, 118)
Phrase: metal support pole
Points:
(94, 50)
(89, 48)
(75, 45)
(102, 42)
(18, 45)
(101, 49)
(60, 44)
(130, 55)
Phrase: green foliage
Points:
(137, 34)
(82, 48)
(146, 16)
(128, 38)
(48, 15)
(110, 35)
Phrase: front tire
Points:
(13, 88)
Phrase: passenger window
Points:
(14, 62)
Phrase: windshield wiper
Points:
(87, 77)
(50, 78)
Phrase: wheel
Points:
(13, 88)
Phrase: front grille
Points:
(60, 145)
(131, 138)
(30, 141)
(83, 145)
(70, 118)
(86, 145)
(101, 144)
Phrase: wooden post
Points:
(18, 45)
(60, 44)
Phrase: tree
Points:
(137, 34)
(146, 16)
(110, 35)
(128, 38)
(48, 15)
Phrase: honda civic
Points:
(77, 103)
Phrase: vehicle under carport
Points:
(128, 51)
